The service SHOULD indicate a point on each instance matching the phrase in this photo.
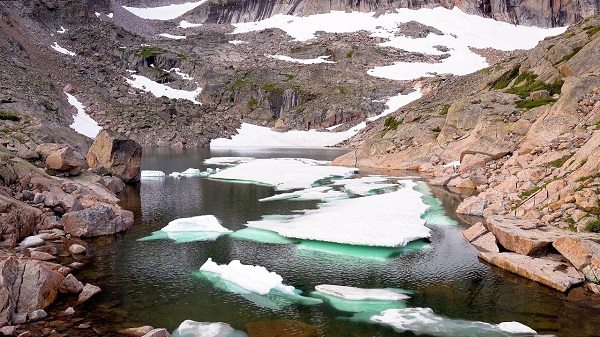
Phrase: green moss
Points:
(252, 104)
(597, 126)
(591, 30)
(532, 191)
(350, 53)
(559, 162)
(436, 129)
(391, 123)
(445, 109)
(504, 80)
(272, 88)
(51, 172)
(568, 56)
(594, 226)
(527, 82)
(239, 82)
(529, 104)
(9, 116)
(571, 223)
(149, 51)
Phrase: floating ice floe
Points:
(254, 283)
(62, 30)
(259, 235)
(159, 90)
(365, 185)
(227, 161)
(299, 173)
(169, 12)
(192, 172)
(238, 42)
(173, 37)
(82, 122)
(30, 241)
(320, 59)
(189, 328)
(393, 219)
(186, 24)
(423, 321)
(152, 174)
(322, 193)
(198, 228)
(359, 300)
(62, 50)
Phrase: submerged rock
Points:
(282, 327)
(116, 154)
(136, 332)
(555, 274)
(88, 291)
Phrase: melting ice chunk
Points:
(365, 185)
(299, 173)
(226, 161)
(315, 193)
(189, 328)
(152, 174)
(357, 294)
(198, 228)
(423, 321)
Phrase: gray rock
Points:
(88, 291)
(37, 315)
(158, 333)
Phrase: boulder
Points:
(136, 332)
(114, 184)
(555, 274)
(37, 315)
(475, 231)
(42, 256)
(486, 243)
(117, 154)
(88, 291)
(45, 149)
(38, 284)
(98, 220)
(65, 159)
(71, 285)
(158, 333)
(471, 161)
(17, 221)
(586, 200)
(539, 94)
(520, 236)
(471, 206)
(583, 254)
(77, 249)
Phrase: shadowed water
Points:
(156, 282)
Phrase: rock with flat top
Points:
(526, 237)
(471, 206)
(555, 274)
(98, 220)
(579, 252)
(474, 231)
(486, 243)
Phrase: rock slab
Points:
(116, 154)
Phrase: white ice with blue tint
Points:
(198, 228)
(358, 294)
(152, 174)
(227, 161)
(365, 185)
(189, 328)
(323, 193)
(283, 173)
(423, 321)
(169, 12)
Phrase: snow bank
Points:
(152, 174)
(320, 59)
(159, 90)
(189, 328)
(392, 220)
(181, 74)
(423, 321)
(186, 24)
(171, 36)
(322, 193)
(238, 42)
(62, 30)
(82, 122)
(249, 135)
(169, 12)
(62, 50)
(396, 102)
(252, 278)
(359, 294)
(299, 173)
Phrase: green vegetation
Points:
(597, 127)
(445, 109)
(504, 80)
(529, 104)
(252, 104)
(527, 82)
(591, 30)
(436, 129)
(272, 88)
(8, 116)
(51, 172)
(391, 123)
(239, 82)
(568, 56)
(558, 163)
(571, 223)
(288, 77)
(149, 51)
(350, 53)
(594, 226)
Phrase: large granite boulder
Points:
(65, 159)
(525, 237)
(26, 286)
(101, 219)
(17, 220)
(553, 273)
(583, 254)
(116, 154)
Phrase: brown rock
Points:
(578, 251)
(539, 94)
(97, 220)
(46, 149)
(586, 200)
(117, 154)
(136, 332)
(282, 327)
(555, 274)
(17, 221)
(471, 161)
(158, 333)
(42, 256)
(77, 249)
(520, 236)
(88, 291)
(71, 285)
(65, 159)
(486, 243)
(466, 183)
(474, 232)
(471, 206)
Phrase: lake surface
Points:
(152, 282)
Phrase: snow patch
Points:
(169, 12)
(396, 102)
(159, 90)
(423, 321)
(82, 122)
(173, 37)
(320, 59)
(152, 174)
(238, 42)
(393, 220)
(299, 173)
(186, 24)
(189, 328)
(62, 30)
(62, 50)
(181, 74)
(110, 15)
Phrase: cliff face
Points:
(526, 12)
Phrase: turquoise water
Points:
(157, 282)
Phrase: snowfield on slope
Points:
(159, 90)
(82, 122)
(164, 13)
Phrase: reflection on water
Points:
(153, 282)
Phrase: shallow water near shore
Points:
(153, 282)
